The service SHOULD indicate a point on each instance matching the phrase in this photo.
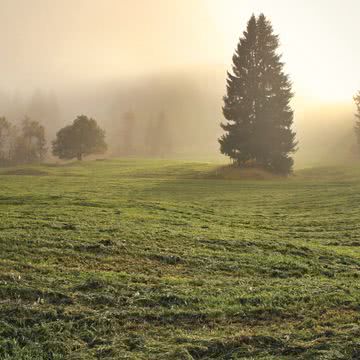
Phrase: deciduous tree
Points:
(83, 137)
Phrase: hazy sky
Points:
(46, 43)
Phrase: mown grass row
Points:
(130, 259)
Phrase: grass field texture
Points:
(156, 259)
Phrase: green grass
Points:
(140, 259)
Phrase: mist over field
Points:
(190, 108)
(63, 59)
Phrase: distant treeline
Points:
(190, 103)
(157, 140)
(21, 144)
(26, 143)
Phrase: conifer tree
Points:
(257, 104)
(357, 123)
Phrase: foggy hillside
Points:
(95, 59)
(191, 101)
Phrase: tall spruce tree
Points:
(257, 104)
(357, 123)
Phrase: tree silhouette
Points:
(357, 123)
(257, 104)
(128, 133)
(30, 145)
(7, 141)
(83, 137)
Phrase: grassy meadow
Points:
(156, 259)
